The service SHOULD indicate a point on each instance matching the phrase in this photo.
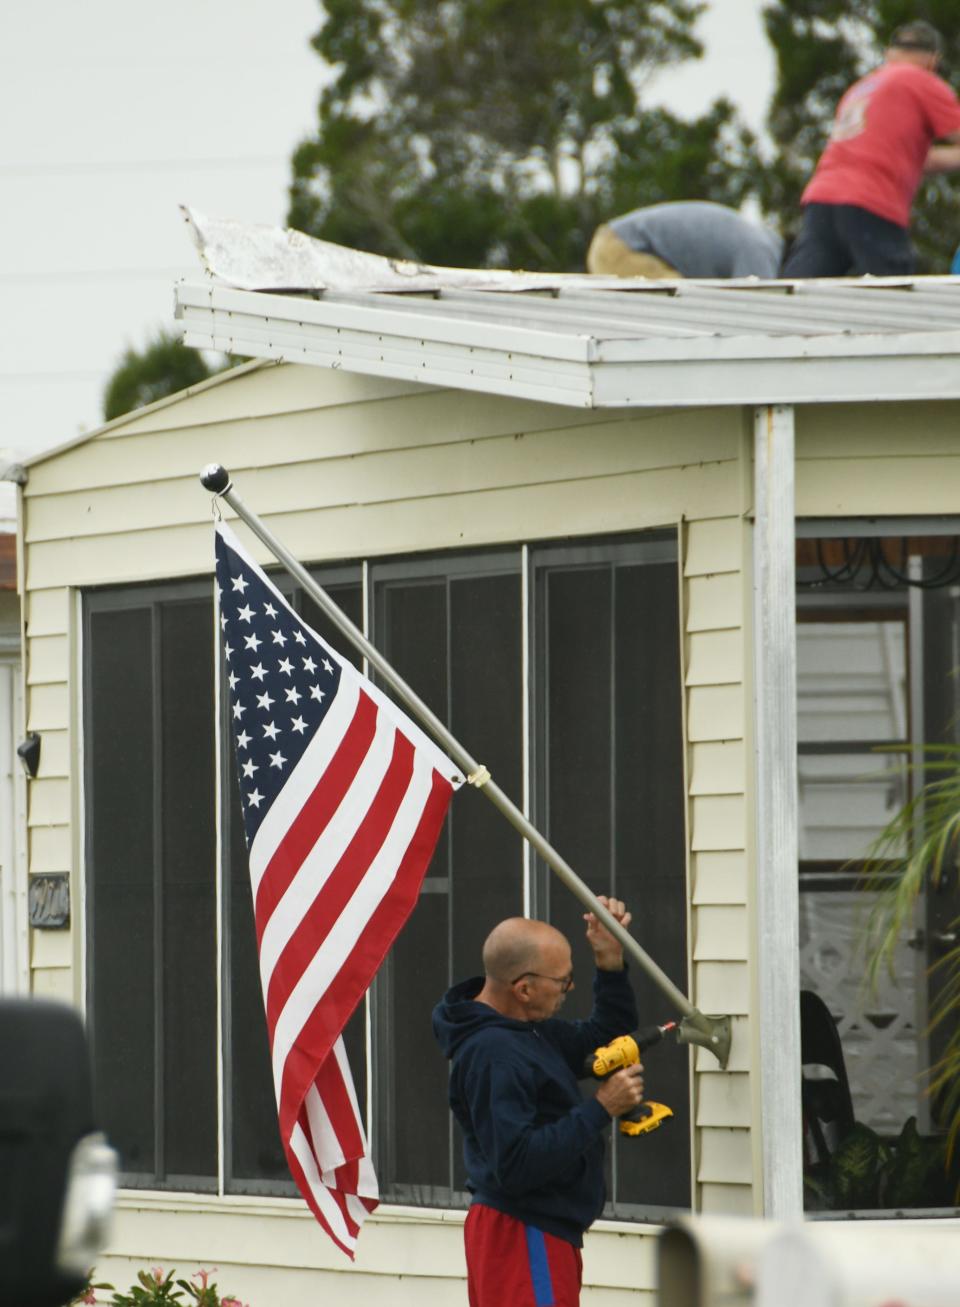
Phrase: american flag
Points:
(343, 800)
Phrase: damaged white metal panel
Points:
(253, 257)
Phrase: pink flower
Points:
(231, 1302)
(157, 1273)
(89, 1296)
(203, 1276)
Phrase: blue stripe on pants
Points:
(539, 1267)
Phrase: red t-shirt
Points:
(884, 127)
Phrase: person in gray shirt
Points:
(687, 238)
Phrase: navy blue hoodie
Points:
(532, 1146)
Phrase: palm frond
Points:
(920, 849)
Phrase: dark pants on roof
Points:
(842, 240)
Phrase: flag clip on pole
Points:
(710, 1032)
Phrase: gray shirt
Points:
(701, 239)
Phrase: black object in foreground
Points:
(57, 1174)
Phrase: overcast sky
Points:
(113, 112)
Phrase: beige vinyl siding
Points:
(724, 1101)
(50, 948)
(576, 507)
(863, 460)
(727, 1200)
(718, 767)
(471, 470)
(719, 876)
(48, 707)
(284, 1260)
(715, 658)
(720, 940)
(50, 848)
(715, 712)
(341, 466)
(727, 983)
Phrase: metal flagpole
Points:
(710, 1032)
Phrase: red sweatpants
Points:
(510, 1264)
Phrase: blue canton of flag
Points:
(281, 683)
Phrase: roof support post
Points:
(777, 970)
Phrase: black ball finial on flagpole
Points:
(215, 477)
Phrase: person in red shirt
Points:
(856, 208)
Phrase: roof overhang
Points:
(413, 339)
(571, 339)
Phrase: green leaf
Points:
(916, 1175)
(857, 1169)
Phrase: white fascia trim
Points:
(457, 367)
(575, 371)
(700, 383)
(403, 323)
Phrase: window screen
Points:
(150, 869)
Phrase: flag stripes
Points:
(344, 799)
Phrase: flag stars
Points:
(273, 681)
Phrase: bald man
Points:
(533, 1146)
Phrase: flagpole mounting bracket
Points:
(479, 777)
(713, 1033)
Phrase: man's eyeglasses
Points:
(565, 982)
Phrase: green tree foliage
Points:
(165, 366)
(501, 132)
(821, 46)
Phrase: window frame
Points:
(529, 560)
(125, 598)
(870, 606)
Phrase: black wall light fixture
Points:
(29, 753)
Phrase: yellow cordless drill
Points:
(625, 1051)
